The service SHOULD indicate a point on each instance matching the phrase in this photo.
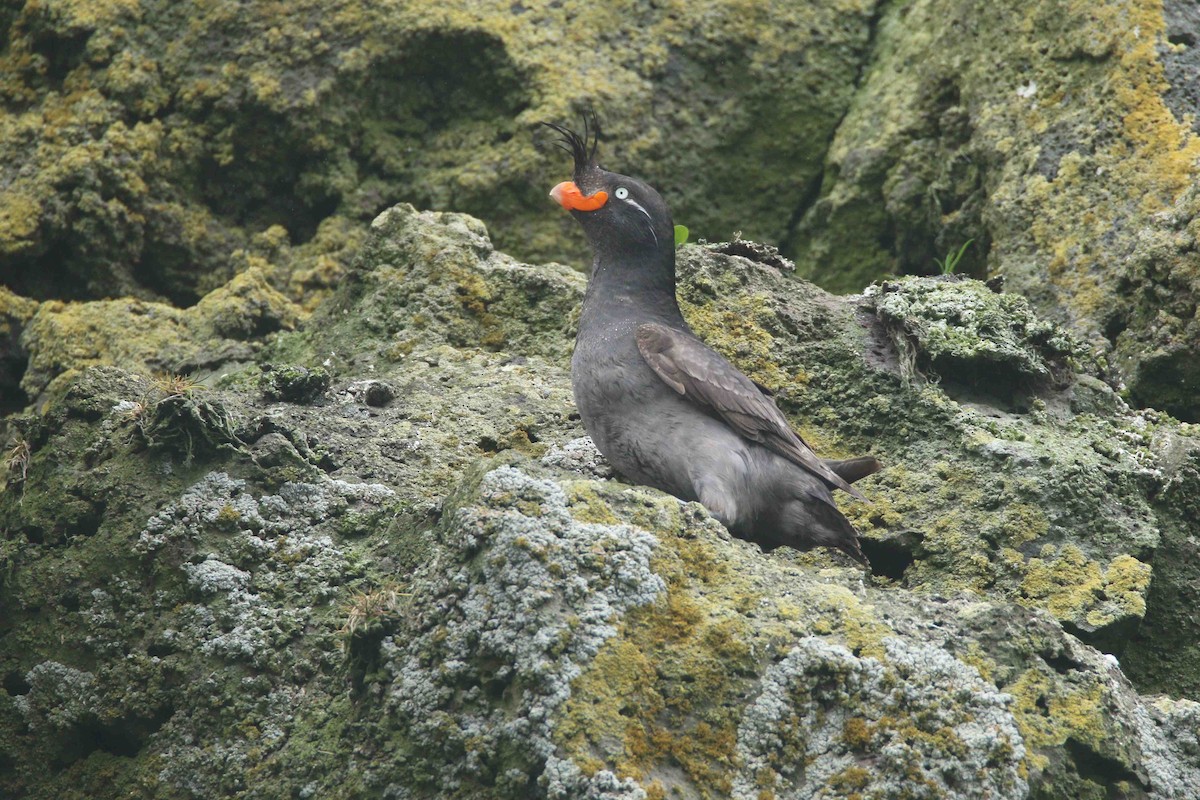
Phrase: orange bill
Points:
(567, 195)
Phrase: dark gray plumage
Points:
(663, 407)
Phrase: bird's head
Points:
(619, 214)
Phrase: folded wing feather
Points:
(705, 377)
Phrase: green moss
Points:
(64, 338)
(1007, 151)
(228, 517)
(962, 326)
(294, 384)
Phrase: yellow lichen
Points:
(1022, 523)
(653, 695)
(974, 656)
(586, 505)
(14, 309)
(91, 14)
(20, 215)
(1047, 714)
(735, 329)
(1154, 158)
(1078, 589)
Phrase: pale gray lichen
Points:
(104, 622)
(213, 576)
(920, 717)
(189, 766)
(59, 696)
(564, 780)
(579, 455)
(261, 570)
(533, 596)
(219, 502)
(1168, 736)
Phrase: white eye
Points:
(621, 193)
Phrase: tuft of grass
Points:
(951, 263)
(16, 461)
(175, 412)
(176, 385)
(367, 609)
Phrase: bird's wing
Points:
(702, 375)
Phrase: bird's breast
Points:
(608, 372)
(610, 379)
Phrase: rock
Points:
(61, 339)
(579, 455)
(186, 146)
(446, 593)
(190, 143)
(959, 327)
(1076, 185)
(15, 313)
(294, 384)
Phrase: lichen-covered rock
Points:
(539, 605)
(15, 313)
(422, 581)
(227, 325)
(152, 148)
(155, 150)
(294, 384)
(431, 278)
(969, 746)
(1043, 492)
(722, 672)
(959, 327)
(1061, 138)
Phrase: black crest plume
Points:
(582, 148)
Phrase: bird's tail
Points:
(853, 469)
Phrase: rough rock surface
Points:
(153, 148)
(375, 557)
(1061, 138)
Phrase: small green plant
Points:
(951, 263)
(681, 235)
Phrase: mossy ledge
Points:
(415, 578)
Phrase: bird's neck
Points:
(641, 283)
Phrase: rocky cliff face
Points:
(295, 503)
(380, 560)
(1062, 139)
(155, 150)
